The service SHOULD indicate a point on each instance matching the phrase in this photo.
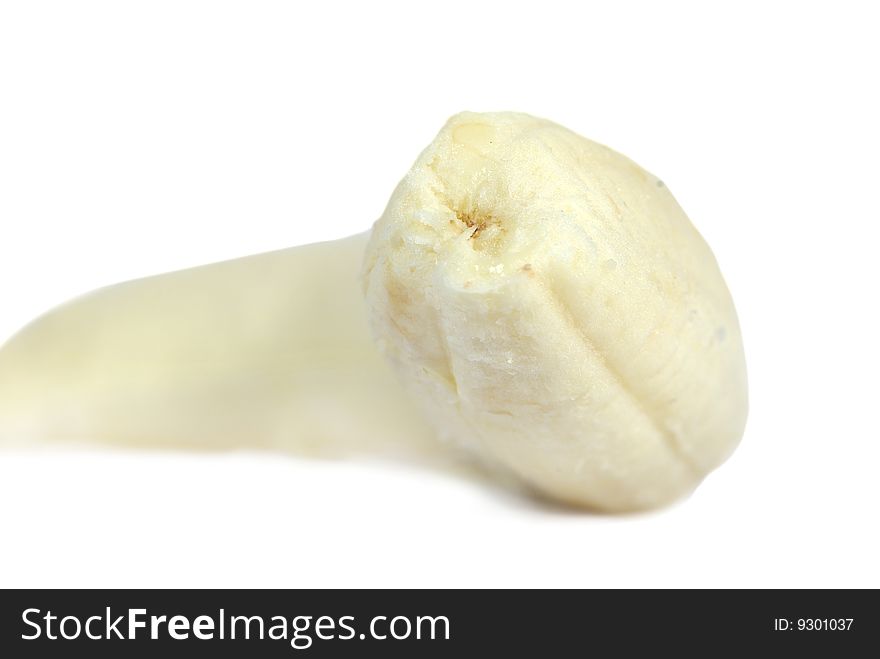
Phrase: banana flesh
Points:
(550, 306)
(544, 301)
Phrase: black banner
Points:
(279, 623)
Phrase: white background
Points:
(137, 138)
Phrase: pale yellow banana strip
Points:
(268, 351)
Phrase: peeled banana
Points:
(544, 302)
